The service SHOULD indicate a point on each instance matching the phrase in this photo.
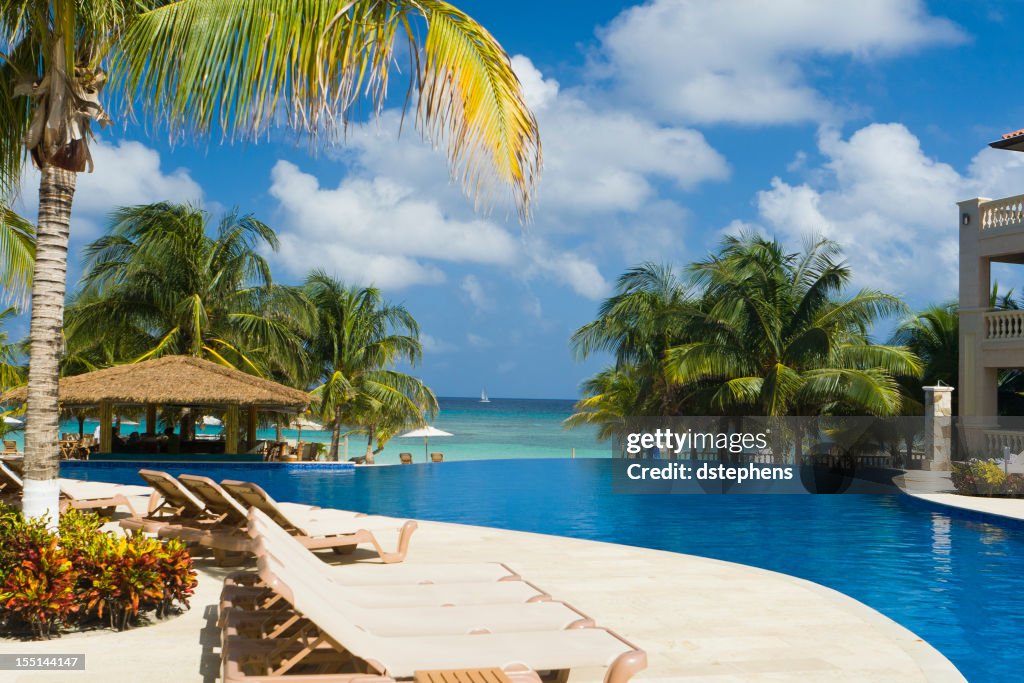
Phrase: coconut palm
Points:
(159, 284)
(611, 398)
(933, 334)
(774, 337)
(359, 337)
(649, 313)
(243, 67)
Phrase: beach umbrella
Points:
(426, 433)
(126, 421)
(301, 423)
(211, 421)
(8, 420)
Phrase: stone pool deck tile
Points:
(698, 619)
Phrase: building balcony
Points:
(998, 228)
(997, 214)
(997, 439)
(1004, 326)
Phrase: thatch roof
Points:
(173, 380)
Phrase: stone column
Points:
(976, 381)
(938, 427)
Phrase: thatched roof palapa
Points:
(173, 380)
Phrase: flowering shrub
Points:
(80, 573)
(985, 478)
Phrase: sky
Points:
(665, 126)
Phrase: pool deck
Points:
(698, 619)
(936, 487)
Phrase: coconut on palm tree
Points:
(243, 67)
(358, 339)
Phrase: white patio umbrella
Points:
(300, 422)
(8, 420)
(426, 433)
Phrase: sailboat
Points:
(483, 396)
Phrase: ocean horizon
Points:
(502, 428)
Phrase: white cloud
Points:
(432, 344)
(608, 159)
(595, 160)
(890, 204)
(600, 196)
(377, 230)
(126, 173)
(476, 293)
(742, 61)
(581, 274)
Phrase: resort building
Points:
(991, 231)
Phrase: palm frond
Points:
(243, 65)
(17, 255)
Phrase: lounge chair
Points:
(171, 504)
(481, 585)
(292, 516)
(285, 552)
(313, 527)
(77, 495)
(372, 574)
(402, 656)
(437, 457)
(405, 458)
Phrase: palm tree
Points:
(158, 284)
(649, 313)
(611, 398)
(242, 66)
(934, 336)
(773, 337)
(359, 337)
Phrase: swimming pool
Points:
(954, 580)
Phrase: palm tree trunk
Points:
(369, 445)
(42, 459)
(335, 435)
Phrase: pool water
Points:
(955, 580)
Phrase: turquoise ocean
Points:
(503, 428)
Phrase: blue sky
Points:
(665, 125)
